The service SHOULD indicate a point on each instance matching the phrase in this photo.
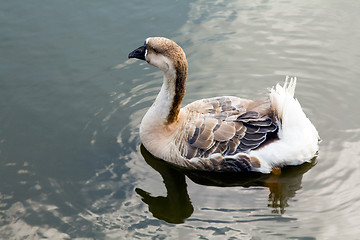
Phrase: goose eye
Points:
(156, 51)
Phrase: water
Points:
(71, 165)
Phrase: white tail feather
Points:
(281, 96)
(298, 138)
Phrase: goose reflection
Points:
(176, 206)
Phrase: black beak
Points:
(138, 53)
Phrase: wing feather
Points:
(229, 126)
(225, 132)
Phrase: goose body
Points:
(224, 134)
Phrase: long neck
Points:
(168, 101)
(162, 119)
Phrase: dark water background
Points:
(71, 102)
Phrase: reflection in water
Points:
(176, 206)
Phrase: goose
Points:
(226, 133)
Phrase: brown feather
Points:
(191, 152)
(230, 126)
(203, 143)
(232, 147)
(224, 132)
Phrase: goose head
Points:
(162, 53)
(169, 57)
